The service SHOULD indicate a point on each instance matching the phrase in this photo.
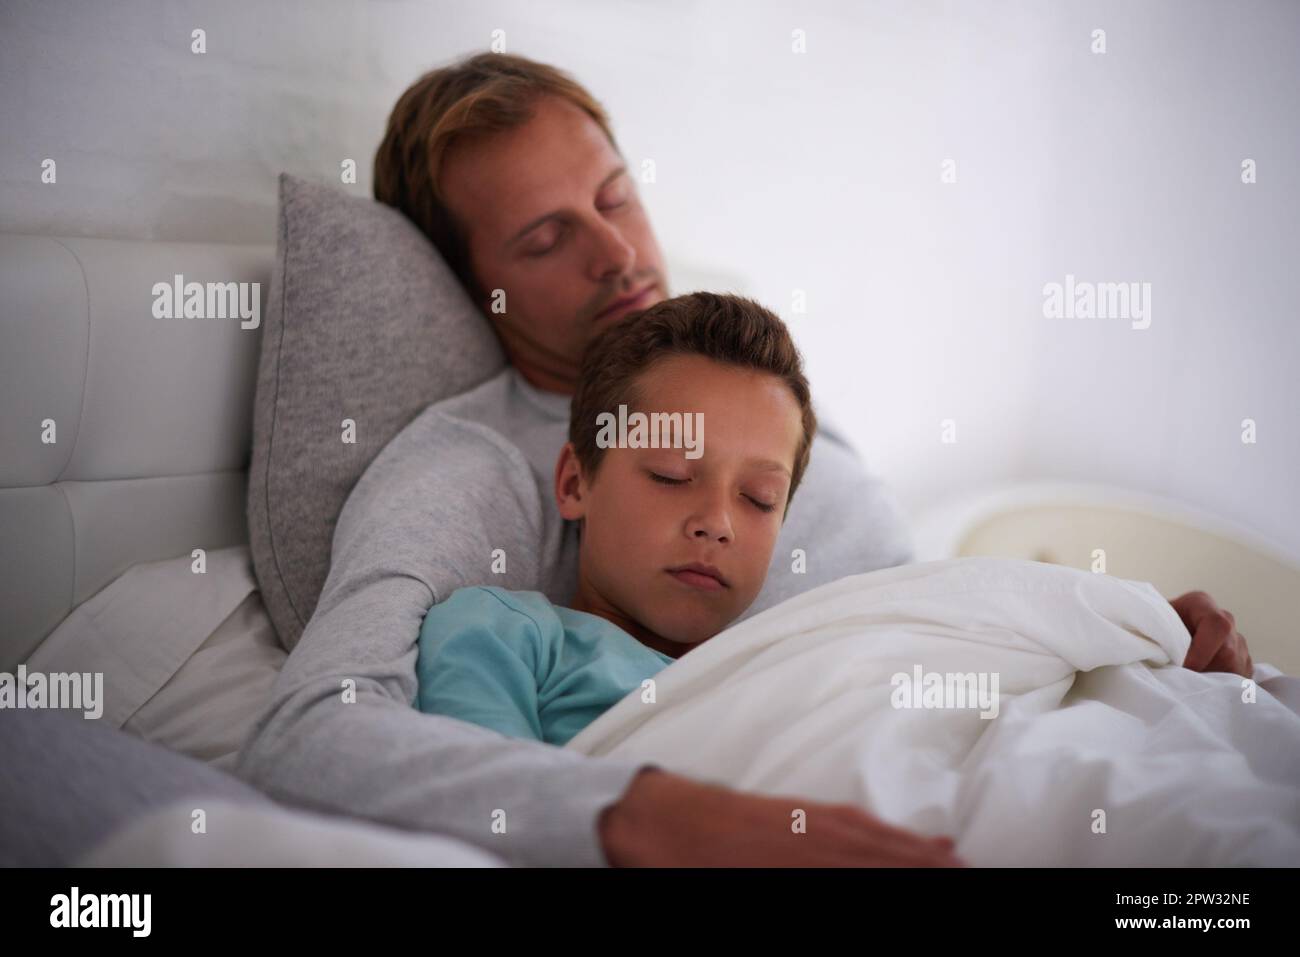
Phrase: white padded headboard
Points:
(152, 419)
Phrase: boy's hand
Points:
(665, 820)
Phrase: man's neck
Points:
(546, 380)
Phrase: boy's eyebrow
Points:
(767, 465)
(613, 174)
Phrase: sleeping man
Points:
(511, 170)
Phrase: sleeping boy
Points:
(675, 533)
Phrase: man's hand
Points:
(1216, 644)
(665, 820)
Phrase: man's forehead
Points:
(499, 182)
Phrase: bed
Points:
(133, 497)
(1174, 546)
(148, 426)
(150, 537)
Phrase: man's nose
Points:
(612, 255)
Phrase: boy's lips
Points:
(699, 575)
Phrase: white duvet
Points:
(1103, 750)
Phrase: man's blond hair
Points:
(485, 93)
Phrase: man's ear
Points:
(570, 486)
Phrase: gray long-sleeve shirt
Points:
(466, 485)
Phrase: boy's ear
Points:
(570, 488)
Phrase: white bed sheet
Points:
(188, 659)
(1098, 724)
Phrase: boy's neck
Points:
(633, 627)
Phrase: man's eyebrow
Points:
(613, 174)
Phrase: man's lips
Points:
(627, 303)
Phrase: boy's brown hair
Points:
(485, 93)
(729, 329)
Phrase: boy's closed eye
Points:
(669, 480)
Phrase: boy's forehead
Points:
(675, 377)
(746, 405)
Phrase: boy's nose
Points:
(714, 528)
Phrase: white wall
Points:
(815, 171)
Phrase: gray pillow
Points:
(363, 321)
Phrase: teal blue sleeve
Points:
(478, 662)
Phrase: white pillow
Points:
(188, 659)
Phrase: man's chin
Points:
(601, 323)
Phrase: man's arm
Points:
(341, 733)
(666, 820)
(855, 507)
